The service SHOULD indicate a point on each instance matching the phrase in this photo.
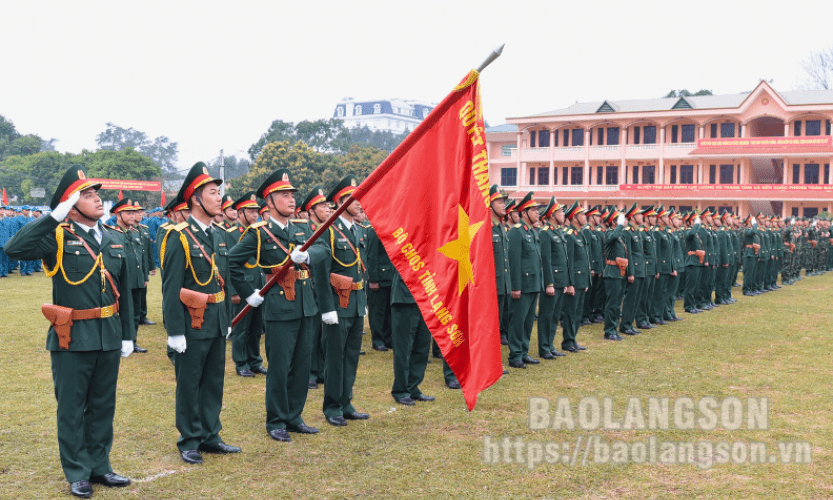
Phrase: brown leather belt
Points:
(300, 274)
(96, 313)
(213, 298)
(610, 262)
(357, 286)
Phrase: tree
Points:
(161, 150)
(322, 135)
(124, 164)
(381, 139)
(362, 160)
(818, 69)
(21, 173)
(686, 93)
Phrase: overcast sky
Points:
(213, 75)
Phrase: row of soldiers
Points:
(12, 219)
(626, 269)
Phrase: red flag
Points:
(120, 195)
(162, 203)
(432, 215)
(5, 197)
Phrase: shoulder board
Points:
(570, 231)
(258, 224)
(218, 225)
(114, 228)
(64, 224)
(180, 226)
(165, 225)
(544, 228)
(144, 226)
(641, 229)
(656, 228)
(300, 221)
(518, 225)
(231, 229)
(600, 228)
(628, 228)
(366, 226)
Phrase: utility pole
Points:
(222, 174)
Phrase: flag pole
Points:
(372, 179)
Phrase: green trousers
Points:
(643, 308)
(411, 343)
(614, 290)
(571, 321)
(502, 300)
(692, 280)
(317, 357)
(342, 343)
(749, 264)
(288, 345)
(671, 295)
(703, 293)
(200, 373)
(136, 295)
(520, 327)
(379, 311)
(143, 307)
(245, 338)
(722, 286)
(658, 301)
(85, 389)
(633, 291)
(549, 314)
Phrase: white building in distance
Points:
(394, 115)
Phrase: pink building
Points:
(762, 151)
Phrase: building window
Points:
(506, 149)
(532, 136)
(543, 176)
(564, 174)
(377, 108)
(509, 176)
(357, 110)
(713, 130)
(673, 133)
(813, 127)
(636, 131)
(712, 174)
(578, 137)
(650, 134)
(727, 174)
(727, 130)
(612, 136)
(687, 174)
(425, 113)
(635, 174)
(687, 133)
(543, 138)
(601, 136)
(612, 176)
(673, 176)
(811, 211)
(340, 111)
(797, 128)
(796, 173)
(599, 171)
(648, 174)
(827, 128)
(827, 173)
(811, 172)
(577, 176)
(531, 176)
(795, 211)
(566, 135)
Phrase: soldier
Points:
(578, 255)
(148, 266)
(618, 268)
(194, 258)
(752, 248)
(636, 258)
(695, 263)
(594, 217)
(556, 272)
(705, 285)
(526, 277)
(92, 320)
(230, 216)
(411, 343)
(594, 249)
(677, 236)
(318, 209)
(723, 261)
(290, 306)
(380, 278)
(343, 306)
(512, 218)
(643, 310)
(245, 336)
(125, 212)
(665, 266)
(500, 246)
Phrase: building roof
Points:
(506, 127)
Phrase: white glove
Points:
(330, 318)
(229, 332)
(697, 220)
(299, 257)
(754, 221)
(126, 348)
(621, 221)
(62, 210)
(177, 343)
(255, 299)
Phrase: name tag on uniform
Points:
(73, 243)
(222, 244)
(342, 240)
(299, 234)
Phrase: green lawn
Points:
(777, 346)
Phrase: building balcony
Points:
(766, 192)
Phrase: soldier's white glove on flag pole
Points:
(299, 257)
(255, 299)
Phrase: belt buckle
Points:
(106, 312)
(303, 274)
(220, 296)
(360, 285)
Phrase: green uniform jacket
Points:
(554, 261)
(649, 249)
(695, 239)
(724, 248)
(334, 254)
(594, 238)
(500, 248)
(399, 293)
(637, 257)
(147, 250)
(578, 253)
(135, 257)
(615, 245)
(750, 237)
(39, 240)
(379, 268)
(678, 240)
(664, 243)
(525, 270)
(177, 274)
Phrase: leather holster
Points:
(61, 319)
(196, 303)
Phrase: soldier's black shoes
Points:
(580, 347)
(586, 322)
(695, 311)
(660, 322)
(631, 331)
(645, 326)
(456, 385)
(280, 435)
(556, 353)
(111, 480)
(423, 397)
(261, 370)
(191, 457)
(504, 341)
(246, 373)
(220, 447)
(313, 384)
(613, 337)
(530, 361)
(147, 322)
(571, 349)
(139, 349)
(548, 355)
(406, 401)
(517, 364)
(380, 348)
(302, 429)
(362, 353)
(356, 416)
(337, 421)
(81, 489)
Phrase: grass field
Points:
(777, 346)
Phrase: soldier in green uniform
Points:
(411, 343)
(245, 337)
(318, 210)
(578, 255)
(194, 259)
(723, 261)
(752, 246)
(665, 266)
(500, 247)
(125, 211)
(618, 270)
(677, 237)
(594, 249)
(556, 272)
(380, 278)
(512, 218)
(636, 258)
(290, 304)
(594, 217)
(695, 264)
(526, 278)
(649, 250)
(92, 317)
(149, 266)
(340, 252)
(704, 285)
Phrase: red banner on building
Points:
(130, 185)
(775, 188)
(431, 214)
(766, 142)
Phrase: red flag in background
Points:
(163, 202)
(432, 215)
(5, 197)
(120, 195)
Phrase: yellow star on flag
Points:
(459, 249)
